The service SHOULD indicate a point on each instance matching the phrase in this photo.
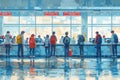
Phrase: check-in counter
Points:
(89, 49)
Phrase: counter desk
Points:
(89, 49)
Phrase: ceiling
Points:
(58, 4)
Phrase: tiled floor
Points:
(60, 69)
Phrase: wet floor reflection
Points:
(54, 68)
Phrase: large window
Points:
(10, 20)
(14, 30)
(102, 24)
(34, 22)
(43, 31)
(28, 30)
(101, 20)
(60, 31)
(43, 20)
(116, 20)
(27, 20)
(61, 20)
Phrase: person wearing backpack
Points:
(66, 41)
(20, 42)
(98, 42)
(81, 40)
(53, 41)
(114, 41)
(7, 43)
(32, 45)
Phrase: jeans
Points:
(20, 49)
(32, 51)
(81, 49)
(66, 47)
(7, 46)
(98, 47)
(47, 51)
(114, 49)
(53, 47)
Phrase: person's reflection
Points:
(47, 62)
(82, 63)
(53, 62)
(66, 71)
(32, 68)
(114, 69)
(82, 70)
(21, 69)
(98, 68)
(9, 69)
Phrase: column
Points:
(1, 19)
(84, 29)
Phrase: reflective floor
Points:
(55, 68)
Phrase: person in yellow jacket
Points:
(20, 41)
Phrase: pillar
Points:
(84, 29)
(1, 19)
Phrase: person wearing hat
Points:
(7, 43)
(66, 41)
(32, 45)
(20, 42)
(114, 41)
(98, 42)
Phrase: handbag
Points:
(70, 53)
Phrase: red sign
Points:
(5, 13)
(71, 13)
(51, 13)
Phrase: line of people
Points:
(50, 44)
(114, 41)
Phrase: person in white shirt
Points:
(7, 43)
(47, 45)
(114, 41)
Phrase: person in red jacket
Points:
(53, 40)
(98, 41)
(32, 45)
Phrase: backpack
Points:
(81, 39)
(66, 40)
(31, 41)
(99, 39)
(115, 38)
(19, 39)
(53, 39)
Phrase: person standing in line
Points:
(53, 41)
(39, 39)
(114, 41)
(81, 40)
(20, 42)
(98, 42)
(26, 41)
(61, 40)
(66, 41)
(13, 40)
(32, 45)
(47, 46)
(7, 43)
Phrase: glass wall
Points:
(42, 25)
(102, 24)
(38, 24)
